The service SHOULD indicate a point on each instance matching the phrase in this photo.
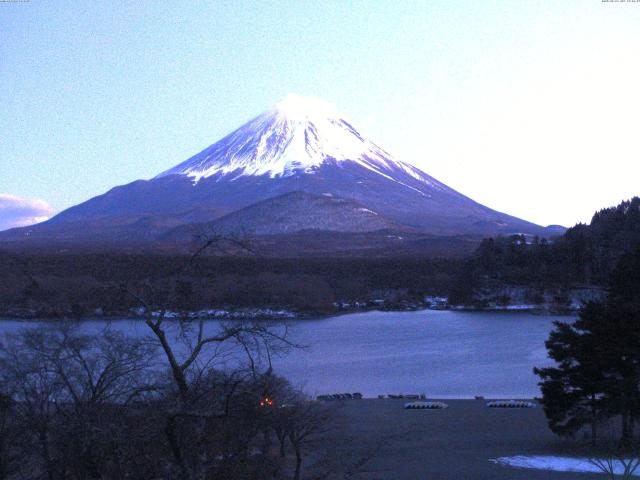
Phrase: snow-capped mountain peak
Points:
(298, 135)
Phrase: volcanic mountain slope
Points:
(300, 224)
(289, 213)
(301, 145)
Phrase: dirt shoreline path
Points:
(452, 444)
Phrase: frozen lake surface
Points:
(444, 354)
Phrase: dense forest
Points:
(87, 284)
(79, 285)
(584, 256)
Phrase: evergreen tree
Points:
(625, 279)
(573, 393)
(621, 334)
(598, 360)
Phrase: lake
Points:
(445, 354)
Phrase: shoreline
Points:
(463, 441)
(261, 314)
(436, 398)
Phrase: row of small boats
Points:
(340, 396)
(425, 405)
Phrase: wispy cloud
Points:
(18, 211)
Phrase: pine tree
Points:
(573, 393)
(598, 360)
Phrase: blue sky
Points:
(529, 107)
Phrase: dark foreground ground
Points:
(452, 444)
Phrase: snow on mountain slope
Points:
(298, 135)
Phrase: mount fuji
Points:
(298, 168)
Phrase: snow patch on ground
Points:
(366, 210)
(556, 464)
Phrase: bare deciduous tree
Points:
(616, 467)
(8, 436)
(66, 387)
(193, 346)
(306, 419)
